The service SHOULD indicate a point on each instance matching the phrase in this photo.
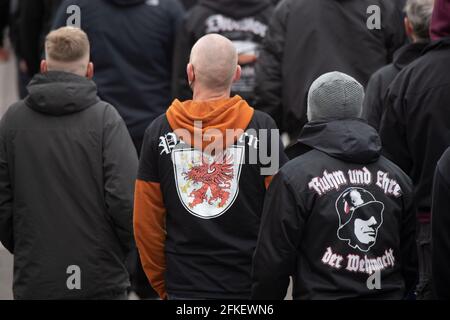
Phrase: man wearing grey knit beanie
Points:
(339, 218)
(335, 95)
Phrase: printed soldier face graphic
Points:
(360, 217)
(365, 231)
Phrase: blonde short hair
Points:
(67, 44)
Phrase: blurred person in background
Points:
(67, 172)
(415, 127)
(309, 38)
(11, 19)
(36, 19)
(132, 48)
(244, 22)
(4, 21)
(29, 22)
(417, 25)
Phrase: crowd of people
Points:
(217, 149)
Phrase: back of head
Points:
(419, 15)
(335, 95)
(67, 49)
(215, 61)
(440, 21)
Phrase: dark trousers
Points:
(22, 81)
(424, 289)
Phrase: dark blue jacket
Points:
(131, 47)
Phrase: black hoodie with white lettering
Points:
(339, 219)
(244, 22)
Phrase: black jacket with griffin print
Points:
(335, 215)
(210, 225)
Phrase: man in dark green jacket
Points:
(67, 171)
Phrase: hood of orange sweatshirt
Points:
(210, 125)
(440, 21)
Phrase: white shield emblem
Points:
(207, 185)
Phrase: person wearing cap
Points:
(415, 128)
(339, 218)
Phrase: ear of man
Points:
(409, 28)
(90, 71)
(238, 74)
(191, 74)
(44, 66)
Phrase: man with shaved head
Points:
(67, 172)
(202, 181)
(213, 66)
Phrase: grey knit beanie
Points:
(335, 95)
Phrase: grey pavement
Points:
(6, 267)
(8, 95)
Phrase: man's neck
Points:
(200, 95)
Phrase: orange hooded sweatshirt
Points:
(215, 118)
(149, 216)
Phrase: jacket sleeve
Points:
(393, 129)
(119, 168)
(150, 233)
(279, 237)
(373, 101)
(408, 244)
(441, 236)
(6, 196)
(269, 81)
(150, 216)
(185, 39)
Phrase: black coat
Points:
(132, 50)
(210, 258)
(415, 128)
(440, 227)
(187, 4)
(244, 22)
(333, 216)
(380, 81)
(67, 172)
(309, 38)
